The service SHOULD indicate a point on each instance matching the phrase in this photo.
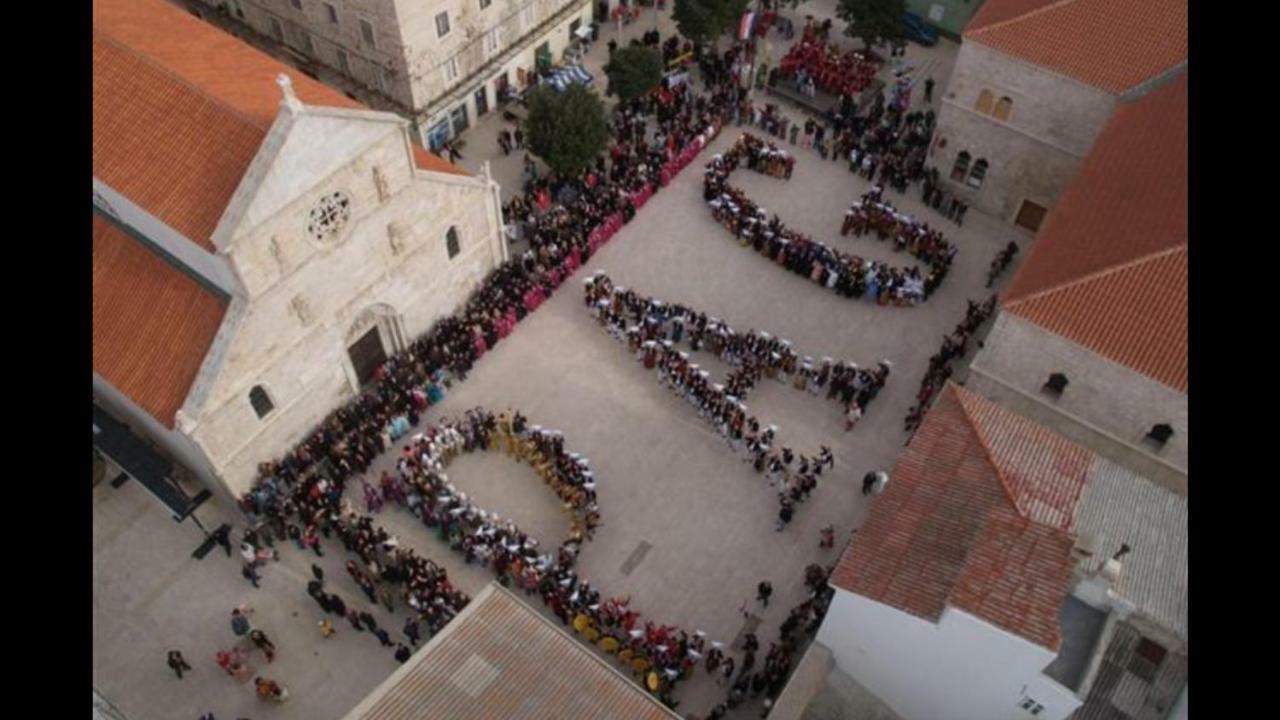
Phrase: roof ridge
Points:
(169, 72)
(1019, 18)
(1096, 274)
(963, 402)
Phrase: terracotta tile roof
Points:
(152, 324)
(180, 109)
(974, 517)
(502, 659)
(1113, 45)
(1109, 269)
(1043, 473)
(430, 161)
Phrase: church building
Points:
(261, 243)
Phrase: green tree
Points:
(633, 71)
(566, 129)
(705, 20)
(873, 21)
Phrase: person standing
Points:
(264, 644)
(250, 572)
(239, 623)
(222, 536)
(382, 636)
(828, 537)
(178, 663)
(868, 482)
(402, 653)
(784, 514)
(763, 591)
(519, 138)
(411, 630)
(318, 573)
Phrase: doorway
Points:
(482, 101)
(1030, 215)
(367, 355)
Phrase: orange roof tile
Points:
(430, 161)
(1113, 45)
(180, 109)
(152, 324)
(1109, 270)
(501, 659)
(975, 516)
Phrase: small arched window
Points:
(985, 100)
(260, 401)
(961, 168)
(1004, 106)
(451, 242)
(977, 174)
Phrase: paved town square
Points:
(688, 528)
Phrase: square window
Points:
(331, 12)
(1146, 659)
(366, 32)
(442, 24)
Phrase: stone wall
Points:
(1035, 152)
(1122, 403)
(389, 266)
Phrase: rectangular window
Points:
(277, 31)
(491, 41)
(528, 15)
(344, 62)
(451, 70)
(366, 32)
(307, 47)
(297, 4)
(442, 24)
(331, 12)
(459, 118)
(380, 76)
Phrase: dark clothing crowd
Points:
(955, 345)
(848, 275)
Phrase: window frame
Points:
(984, 108)
(960, 168)
(442, 31)
(977, 173)
(453, 242)
(1005, 103)
(265, 396)
(368, 34)
(344, 62)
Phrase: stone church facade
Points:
(340, 242)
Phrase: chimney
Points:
(289, 101)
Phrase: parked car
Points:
(918, 30)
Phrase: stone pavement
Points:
(688, 528)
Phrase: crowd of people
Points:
(954, 346)
(654, 331)
(813, 60)
(936, 196)
(872, 214)
(849, 275)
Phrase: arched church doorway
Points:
(375, 335)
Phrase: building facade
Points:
(1033, 85)
(442, 64)
(311, 243)
(1091, 336)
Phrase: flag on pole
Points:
(744, 28)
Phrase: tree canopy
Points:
(873, 21)
(705, 20)
(633, 71)
(566, 129)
